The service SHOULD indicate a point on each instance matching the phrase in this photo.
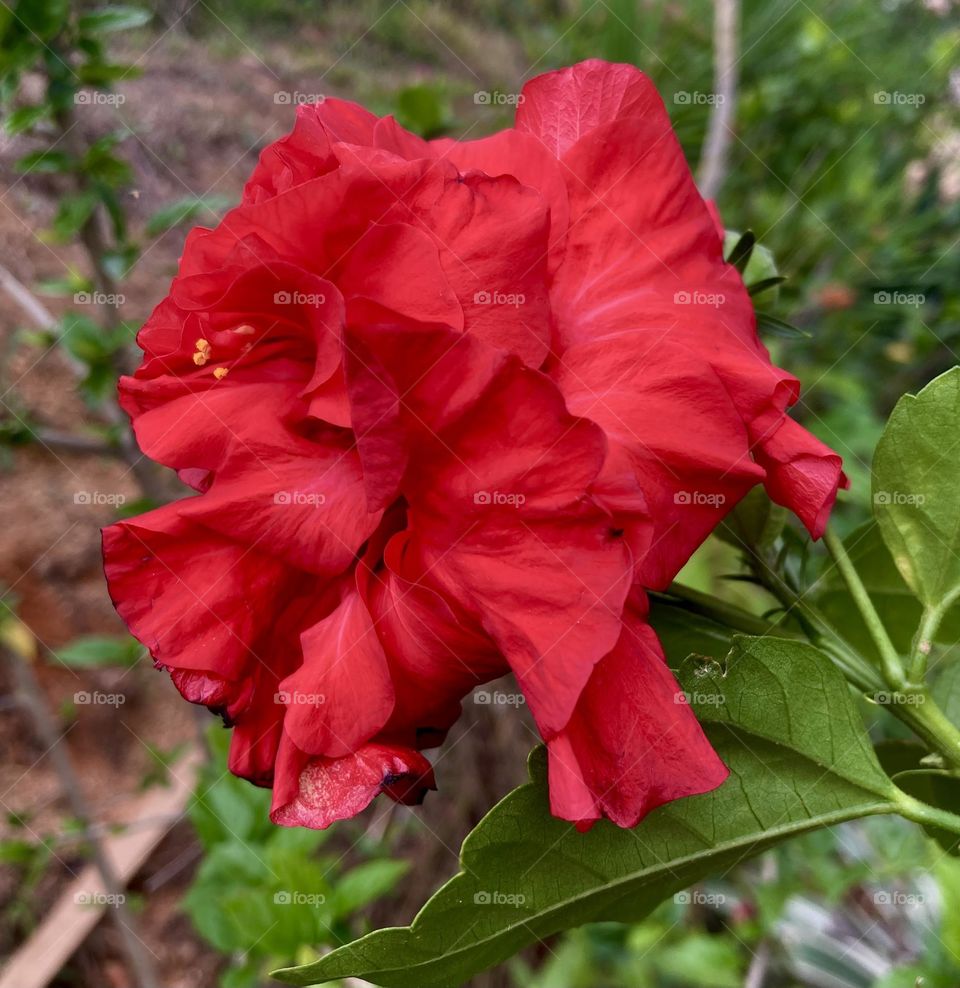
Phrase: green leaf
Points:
(739, 256)
(73, 213)
(755, 522)
(365, 884)
(113, 18)
(782, 718)
(916, 475)
(780, 327)
(25, 117)
(187, 210)
(100, 650)
(45, 162)
(765, 284)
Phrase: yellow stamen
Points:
(202, 345)
(220, 372)
(200, 358)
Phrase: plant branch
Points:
(716, 147)
(893, 670)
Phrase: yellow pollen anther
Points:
(245, 330)
(202, 345)
(220, 372)
(200, 358)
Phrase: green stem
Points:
(929, 721)
(923, 642)
(893, 670)
(930, 816)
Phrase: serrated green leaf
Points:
(916, 475)
(783, 720)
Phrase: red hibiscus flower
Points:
(449, 409)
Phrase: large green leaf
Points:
(780, 716)
(916, 475)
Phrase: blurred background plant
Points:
(123, 126)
